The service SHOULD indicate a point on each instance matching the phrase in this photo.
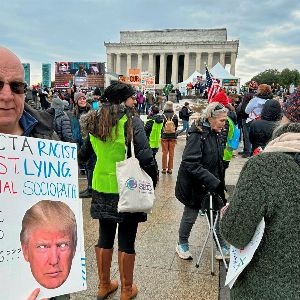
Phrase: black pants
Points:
(126, 235)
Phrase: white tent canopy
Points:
(192, 78)
(219, 72)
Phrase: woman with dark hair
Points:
(110, 131)
(269, 188)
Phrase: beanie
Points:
(291, 108)
(97, 92)
(78, 95)
(57, 103)
(118, 92)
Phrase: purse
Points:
(136, 191)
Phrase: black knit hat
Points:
(118, 92)
(97, 92)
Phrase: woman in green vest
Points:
(153, 127)
(110, 132)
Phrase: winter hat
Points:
(97, 92)
(78, 95)
(118, 92)
(57, 103)
(222, 98)
(291, 108)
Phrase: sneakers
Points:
(183, 251)
(169, 171)
(201, 213)
(164, 171)
(226, 253)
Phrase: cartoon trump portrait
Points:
(48, 240)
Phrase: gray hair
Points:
(47, 212)
(212, 110)
(168, 106)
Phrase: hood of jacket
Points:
(157, 119)
(271, 111)
(287, 142)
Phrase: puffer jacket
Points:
(62, 126)
(168, 115)
(201, 169)
(261, 130)
(104, 205)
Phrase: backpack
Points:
(169, 126)
(235, 140)
(180, 114)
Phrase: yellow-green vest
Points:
(228, 152)
(154, 138)
(108, 154)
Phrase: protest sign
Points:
(240, 258)
(148, 82)
(135, 77)
(41, 229)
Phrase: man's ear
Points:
(25, 252)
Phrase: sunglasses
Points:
(219, 108)
(17, 87)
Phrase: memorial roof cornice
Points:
(173, 43)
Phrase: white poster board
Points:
(240, 258)
(32, 170)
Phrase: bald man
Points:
(16, 117)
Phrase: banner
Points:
(148, 82)
(135, 77)
(230, 82)
(41, 228)
(85, 74)
(26, 67)
(46, 75)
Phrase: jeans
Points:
(185, 127)
(168, 147)
(188, 220)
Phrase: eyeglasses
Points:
(218, 109)
(17, 87)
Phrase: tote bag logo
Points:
(131, 183)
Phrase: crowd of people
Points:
(268, 187)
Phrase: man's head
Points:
(12, 92)
(48, 239)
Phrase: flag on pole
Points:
(212, 85)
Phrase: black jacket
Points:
(148, 126)
(261, 130)
(201, 169)
(169, 115)
(104, 206)
(185, 113)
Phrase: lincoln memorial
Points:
(172, 55)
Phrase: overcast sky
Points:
(75, 30)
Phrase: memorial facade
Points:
(172, 55)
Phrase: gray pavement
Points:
(159, 272)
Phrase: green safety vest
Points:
(228, 152)
(108, 153)
(154, 138)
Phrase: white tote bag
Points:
(136, 191)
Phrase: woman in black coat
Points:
(261, 130)
(201, 171)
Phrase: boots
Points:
(106, 286)
(126, 266)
